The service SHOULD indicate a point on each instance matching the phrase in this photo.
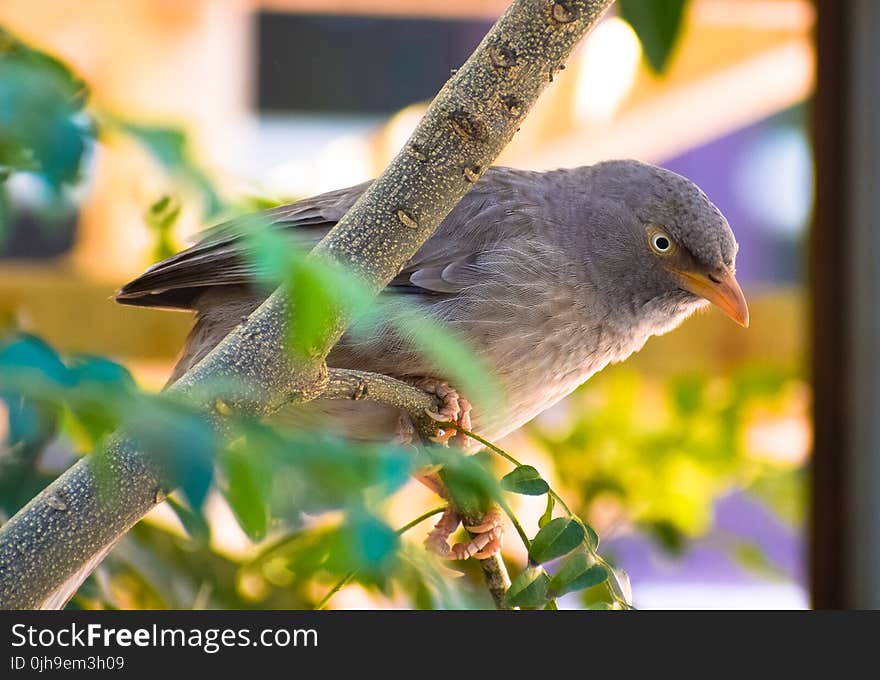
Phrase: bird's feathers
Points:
(219, 257)
(446, 263)
(546, 277)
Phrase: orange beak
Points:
(722, 290)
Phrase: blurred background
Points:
(690, 460)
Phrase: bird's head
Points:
(658, 243)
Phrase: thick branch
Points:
(45, 552)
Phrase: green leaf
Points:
(314, 307)
(591, 537)
(577, 572)
(181, 440)
(469, 480)
(90, 369)
(374, 541)
(247, 490)
(100, 393)
(313, 473)
(668, 535)
(5, 208)
(529, 588)
(658, 24)
(43, 129)
(687, 393)
(544, 519)
(751, 557)
(160, 218)
(556, 538)
(525, 480)
(168, 145)
(320, 291)
(620, 584)
(600, 606)
(365, 544)
(34, 373)
(450, 353)
(28, 352)
(193, 522)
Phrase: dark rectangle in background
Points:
(357, 64)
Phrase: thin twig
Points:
(497, 579)
(613, 589)
(345, 580)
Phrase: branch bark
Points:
(365, 386)
(54, 542)
(497, 580)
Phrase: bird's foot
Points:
(487, 534)
(437, 540)
(485, 542)
(406, 431)
(453, 409)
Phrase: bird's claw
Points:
(486, 537)
(437, 540)
(453, 409)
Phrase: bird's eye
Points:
(660, 242)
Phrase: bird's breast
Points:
(542, 352)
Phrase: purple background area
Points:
(766, 257)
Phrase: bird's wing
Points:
(496, 209)
(219, 257)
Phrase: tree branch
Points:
(53, 543)
(497, 580)
(365, 386)
(356, 385)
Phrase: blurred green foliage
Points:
(272, 479)
(658, 24)
(655, 454)
(47, 128)
(43, 125)
(323, 290)
(170, 148)
(160, 218)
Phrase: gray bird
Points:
(548, 277)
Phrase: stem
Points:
(516, 525)
(267, 551)
(501, 452)
(340, 584)
(345, 580)
(485, 442)
(421, 518)
(504, 506)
